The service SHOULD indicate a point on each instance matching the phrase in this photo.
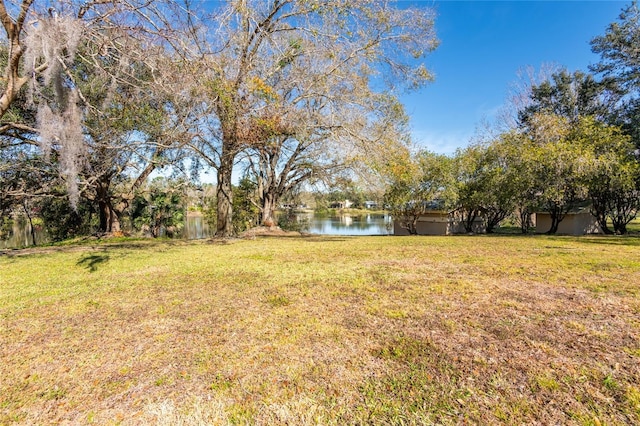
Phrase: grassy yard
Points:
(311, 330)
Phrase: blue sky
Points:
(483, 44)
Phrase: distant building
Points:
(370, 205)
(341, 204)
(578, 221)
(440, 222)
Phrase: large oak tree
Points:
(296, 71)
(53, 49)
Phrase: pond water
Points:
(197, 227)
(345, 224)
(369, 224)
(21, 236)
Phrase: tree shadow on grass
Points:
(625, 240)
(317, 238)
(91, 261)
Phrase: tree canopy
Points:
(97, 98)
(300, 86)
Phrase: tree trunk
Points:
(224, 223)
(109, 217)
(602, 222)
(619, 225)
(556, 218)
(494, 217)
(599, 211)
(269, 209)
(412, 226)
(491, 226)
(623, 209)
(468, 218)
(524, 216)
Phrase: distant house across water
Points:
(370, 205)
(346, 204)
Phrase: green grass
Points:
(634, 226)
(323, 330)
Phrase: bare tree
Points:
(519, 97)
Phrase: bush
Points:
(63, 222)
(160, 210)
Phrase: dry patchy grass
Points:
(310, 330)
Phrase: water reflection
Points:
(370, 224)
(196, 227)
(21, 235)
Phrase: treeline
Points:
(100, 97)
(158, 208)
(569, 139)
(97, 97)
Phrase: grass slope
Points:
(311, 330)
